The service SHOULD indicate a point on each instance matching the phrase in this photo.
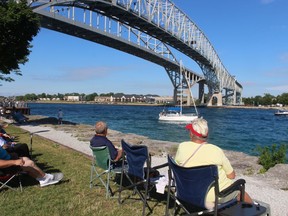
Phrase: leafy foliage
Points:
(267, 99)
(18, 26)
(272, 155)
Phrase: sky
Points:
(249, 36)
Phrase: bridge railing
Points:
(167, 16)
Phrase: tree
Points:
(267, 99)
(283, 98)
(91, 97)
(18, 26)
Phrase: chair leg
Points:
(5, 184)
(91, 176)
(108, 189)
(20, 182)
(145, 199)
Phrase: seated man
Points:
(100, 139)
(197, 152)
(10, 162)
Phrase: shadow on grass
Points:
(155, 199)
(36, 121)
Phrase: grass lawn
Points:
(73, 195)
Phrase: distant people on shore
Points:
(3, 132)
(197, 152)
(60, 116)
(100, 139)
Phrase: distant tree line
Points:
(266, 100)
(82, 96)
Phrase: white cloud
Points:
(280, 88)
(266, 1)
(278, 73)
(284, 57)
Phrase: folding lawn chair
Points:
(192, 185)
(138, 176)
(7, 176)
(102, 160)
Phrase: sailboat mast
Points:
(189, 88)
(181, 86)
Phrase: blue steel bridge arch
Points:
(147, 29)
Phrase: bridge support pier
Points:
(218, 97)
(175, 96)
(201, 92)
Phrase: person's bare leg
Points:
(247, 198)
(32, 169)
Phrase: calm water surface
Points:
(232, 129)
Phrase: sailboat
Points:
(175, 114)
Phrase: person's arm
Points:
(9, 163)
(119, 155)
(6, 135)
(231, 175)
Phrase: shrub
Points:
(271, 155)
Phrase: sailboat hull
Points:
(177, 117)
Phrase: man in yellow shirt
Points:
(198, 152)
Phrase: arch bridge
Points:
(154, 30)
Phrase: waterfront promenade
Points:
(270, 188)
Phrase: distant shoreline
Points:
(157, 105)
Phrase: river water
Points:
(232, 129)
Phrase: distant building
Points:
(164, 99)
(133, 98)
(100, 99)
(72, 98)
(44, 99)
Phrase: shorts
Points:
(229, 197)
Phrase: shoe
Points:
(51, 179)
(58, 176)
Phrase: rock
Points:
(278, 176)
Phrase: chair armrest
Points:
(237, 185)
(160, 166)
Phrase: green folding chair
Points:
(101, 166)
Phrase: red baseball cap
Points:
(190, 128)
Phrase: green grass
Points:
(73, 195)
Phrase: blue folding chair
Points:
(137, 174)
(192, 185)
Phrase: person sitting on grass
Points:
(3, 132)
(21, 149)
(11, 162)
(100, 139)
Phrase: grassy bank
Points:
(70, 197)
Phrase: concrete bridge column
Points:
(189, 98)
(201, 92)
(175, 94)
(218, 96)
